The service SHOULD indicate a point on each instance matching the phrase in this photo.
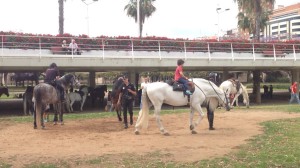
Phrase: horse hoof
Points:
(166, 134)
(137, 132)
(55, 123)
(194, 132)
(192, 127)
(35, 127)
(120, 119)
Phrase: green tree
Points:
(146, 10)
(61, 16)
(255, 13)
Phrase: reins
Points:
(213, 89)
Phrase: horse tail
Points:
(143, 118)
(37, 99)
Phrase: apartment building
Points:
(284, 24)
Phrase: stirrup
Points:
(187, 92)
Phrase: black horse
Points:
(19, 78)
(98, 93)
(4, 90)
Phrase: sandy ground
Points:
(21, 144)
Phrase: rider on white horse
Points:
(179, 77)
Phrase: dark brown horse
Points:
(114, 96)
(45, 94)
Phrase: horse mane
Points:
(116, 86)
(68, 77)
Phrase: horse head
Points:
(117, 86)
(69, 80)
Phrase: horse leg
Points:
(192, 127)
(235, 99)
(61, 113)
(34, 120)
(196, 107)
(157, 109)
(55, 119)
(71, 105)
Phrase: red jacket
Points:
(294, 87)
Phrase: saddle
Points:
(178, 86)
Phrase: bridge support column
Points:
(256, 86)
(134, 79)
(225, 76)
(295, 75)
(92, 80)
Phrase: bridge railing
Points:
(42, 46)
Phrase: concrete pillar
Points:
(92, 79)
(256, 86)
(295, 75)
(224, 76)
(134, 79)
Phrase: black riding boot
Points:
(131, 118)
(210, 117)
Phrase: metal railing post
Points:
(40, 47)
(253, 51)
(208, 50)
(2, 46)
(132, 53)
(184, 50)
(295, 57)
(274, 52)
(103, 49)
(232, 57)
(159, 53)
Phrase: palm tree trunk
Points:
(257, 19)
(61, 16)
(141, 29)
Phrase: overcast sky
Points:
(173, 18)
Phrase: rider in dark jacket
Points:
(52, 73)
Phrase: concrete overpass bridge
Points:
(142, 55)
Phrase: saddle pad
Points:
(177, 87)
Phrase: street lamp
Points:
(87, 13)
(219, 11)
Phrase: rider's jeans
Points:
(184, 82)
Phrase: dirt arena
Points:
(21, 144)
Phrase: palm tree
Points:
(257, 11)
(61, 16)
(146, 10)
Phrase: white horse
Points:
(157, 93)
(76, 97)
(229, 88)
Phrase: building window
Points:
(283, 31)
(274, 27)
(296, 24)
(282, 26)
(274, 33)
(296, 30)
